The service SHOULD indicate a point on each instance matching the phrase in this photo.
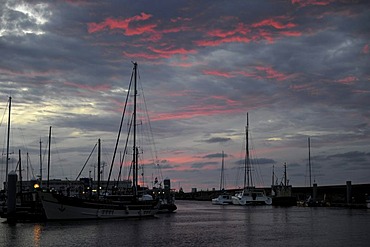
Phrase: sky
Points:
(299, 68)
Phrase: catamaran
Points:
(249, 195)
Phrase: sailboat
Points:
(16, 204)
(250, 195)
(104, 205)
(224, 198)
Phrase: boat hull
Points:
(62, 208)
(251, 197)
(247, 200)
(222, 200)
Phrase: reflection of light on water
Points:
(37, 229)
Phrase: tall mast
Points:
(247, 158)
(135, 164)
(309, 159)
(7, 145)
(27, 176)
(222, 182)
(49, 158)
(20, 173)
(40, 164)
(99, 158)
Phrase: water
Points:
(203, 224)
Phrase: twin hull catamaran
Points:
(249, 195)
(63, 207)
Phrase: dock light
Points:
(36, 186)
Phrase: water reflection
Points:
(37, 230)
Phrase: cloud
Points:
(217, 140)
(300, 68)
(216, 155)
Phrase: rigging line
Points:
(2, 119)
(149, 123)
(30, 164)
(120, 128)
(86, 161)
(151, 135)
(124, 151)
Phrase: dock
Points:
(346, 195)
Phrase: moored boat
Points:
(250, 195)
(283, 192)
(223, 199)
(60, 207)
(104, 205)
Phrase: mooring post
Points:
(314, 193)
(349, 192)
(12, 195)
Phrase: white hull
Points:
(55, 210)
(222, 200)
(251, 198)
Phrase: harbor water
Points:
(203, 224)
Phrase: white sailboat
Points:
(250, 195)
(103, 206)
(224, 198)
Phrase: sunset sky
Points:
(299, 68)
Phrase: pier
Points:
(346, 195)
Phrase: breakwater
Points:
(334, 195)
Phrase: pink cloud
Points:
(270, 73)
(111, 23)
(221, 41)
(273, 23)
(170, 52)
(206, 107)
(217, 73)
(239, 29)
(348, 80)
(179, 19)
(365, 49)
(291, 33)
(140, 29)
(257, 72)
(308, 88)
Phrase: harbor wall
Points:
(334, 194)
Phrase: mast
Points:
(20, 173)
(49, 157)
(27, 176)
(99, 158)
(285, 175)
(7, 145)
(222, 182)
(135, 163)
(309, 159)
(40, 164)
(247, 174)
